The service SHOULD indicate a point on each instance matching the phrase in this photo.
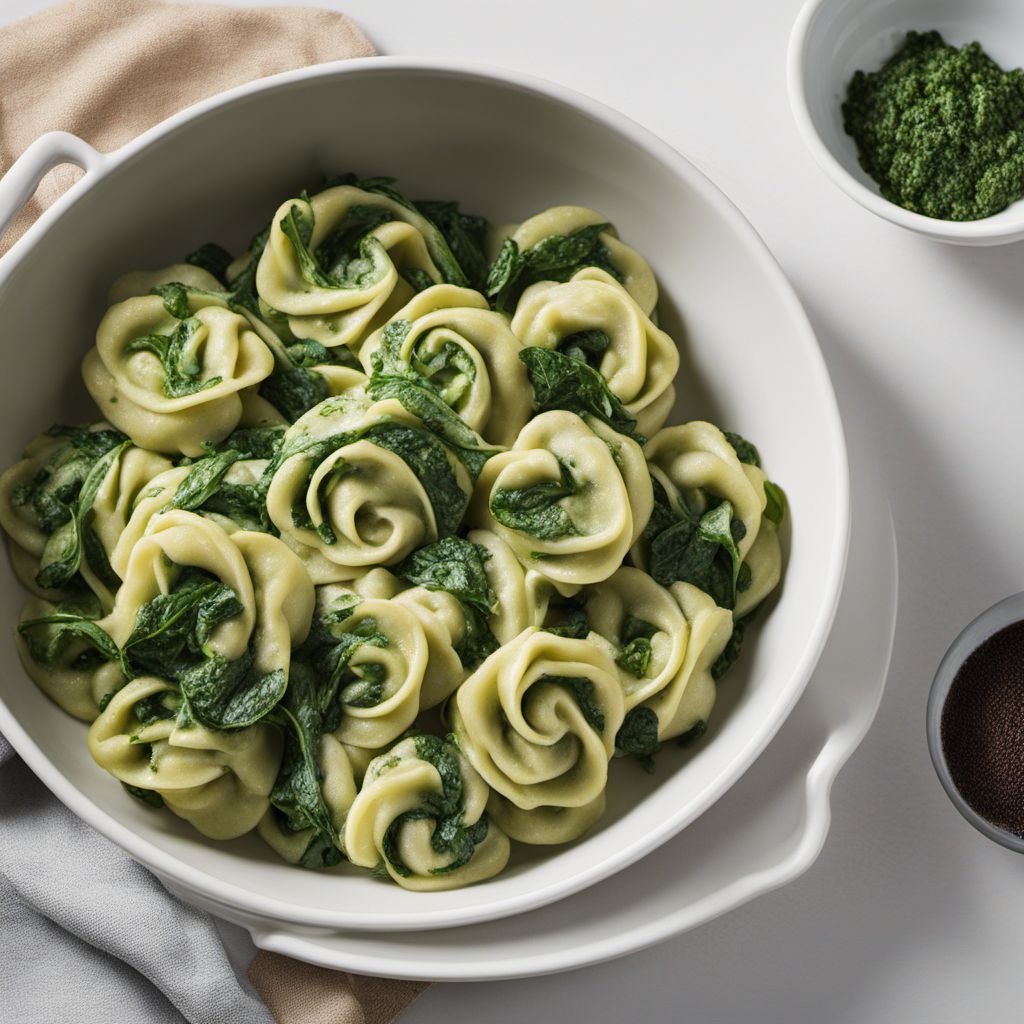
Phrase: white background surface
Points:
(909, 915)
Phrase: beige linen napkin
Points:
(106, 70)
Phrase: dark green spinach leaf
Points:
(561, 381)
(555, 258)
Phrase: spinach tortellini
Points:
(538, 721)
(592, 319)
(447, 339)
(716, 516)
(359, 484)
(66, 504)
(170, 382)
(218, 613)
(338, 262)
(382, 549)
(667, 642)
(569, 498)
(219, 781)
(421, 814)
(555, 244)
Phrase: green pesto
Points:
(940, 129)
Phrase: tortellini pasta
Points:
(382, 549)
(66, 664)
(522, 594)
(667, 641)
(538, 721)
(706, 493)
(219, 781)
(332, 279)
(248, 603)
(455, 344)
(569, 498)
(421, 813)
(361, 485)
(173, 383)
(337, 784)
(65, 505)
(593, 317)
(598, 245)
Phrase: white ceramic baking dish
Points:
(506, 145)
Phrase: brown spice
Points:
(983, 729)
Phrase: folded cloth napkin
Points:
(86, 934)
(109, 69)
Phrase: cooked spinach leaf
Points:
(222, 694)
(204, 479)
(295, 387)
(535, 510)
(177, 354)
(297, 794)
(147, 796)
(177, 625)
(243, 287)
(555, 258)
(58, 482)
(456, 566)
(47, 637)
(745, 451)
(60, 497)
(692, 734)
(205, 489)
(568, 618)
(212, 258)
(175, 296)
(320, 680)
(638, 736)
(465, 234)
(775, 509)
(64, 549)
(252, 442)
(170, 639)
(731, 651)
(587, 346)
(697, 549)
(635, 646)
(562, 381)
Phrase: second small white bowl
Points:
(834, 38)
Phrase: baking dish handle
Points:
(49, 150)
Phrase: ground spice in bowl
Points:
(940, 129)
(982, 729)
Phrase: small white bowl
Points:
(834, 38)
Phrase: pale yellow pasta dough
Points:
(398, 783)
(538, 720)
(219, 781)
(468, 352)
(344, 315)
(130, 386)
(607, 508)
(641, 361)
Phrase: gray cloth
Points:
(89, 936)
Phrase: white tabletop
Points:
(909, 915)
